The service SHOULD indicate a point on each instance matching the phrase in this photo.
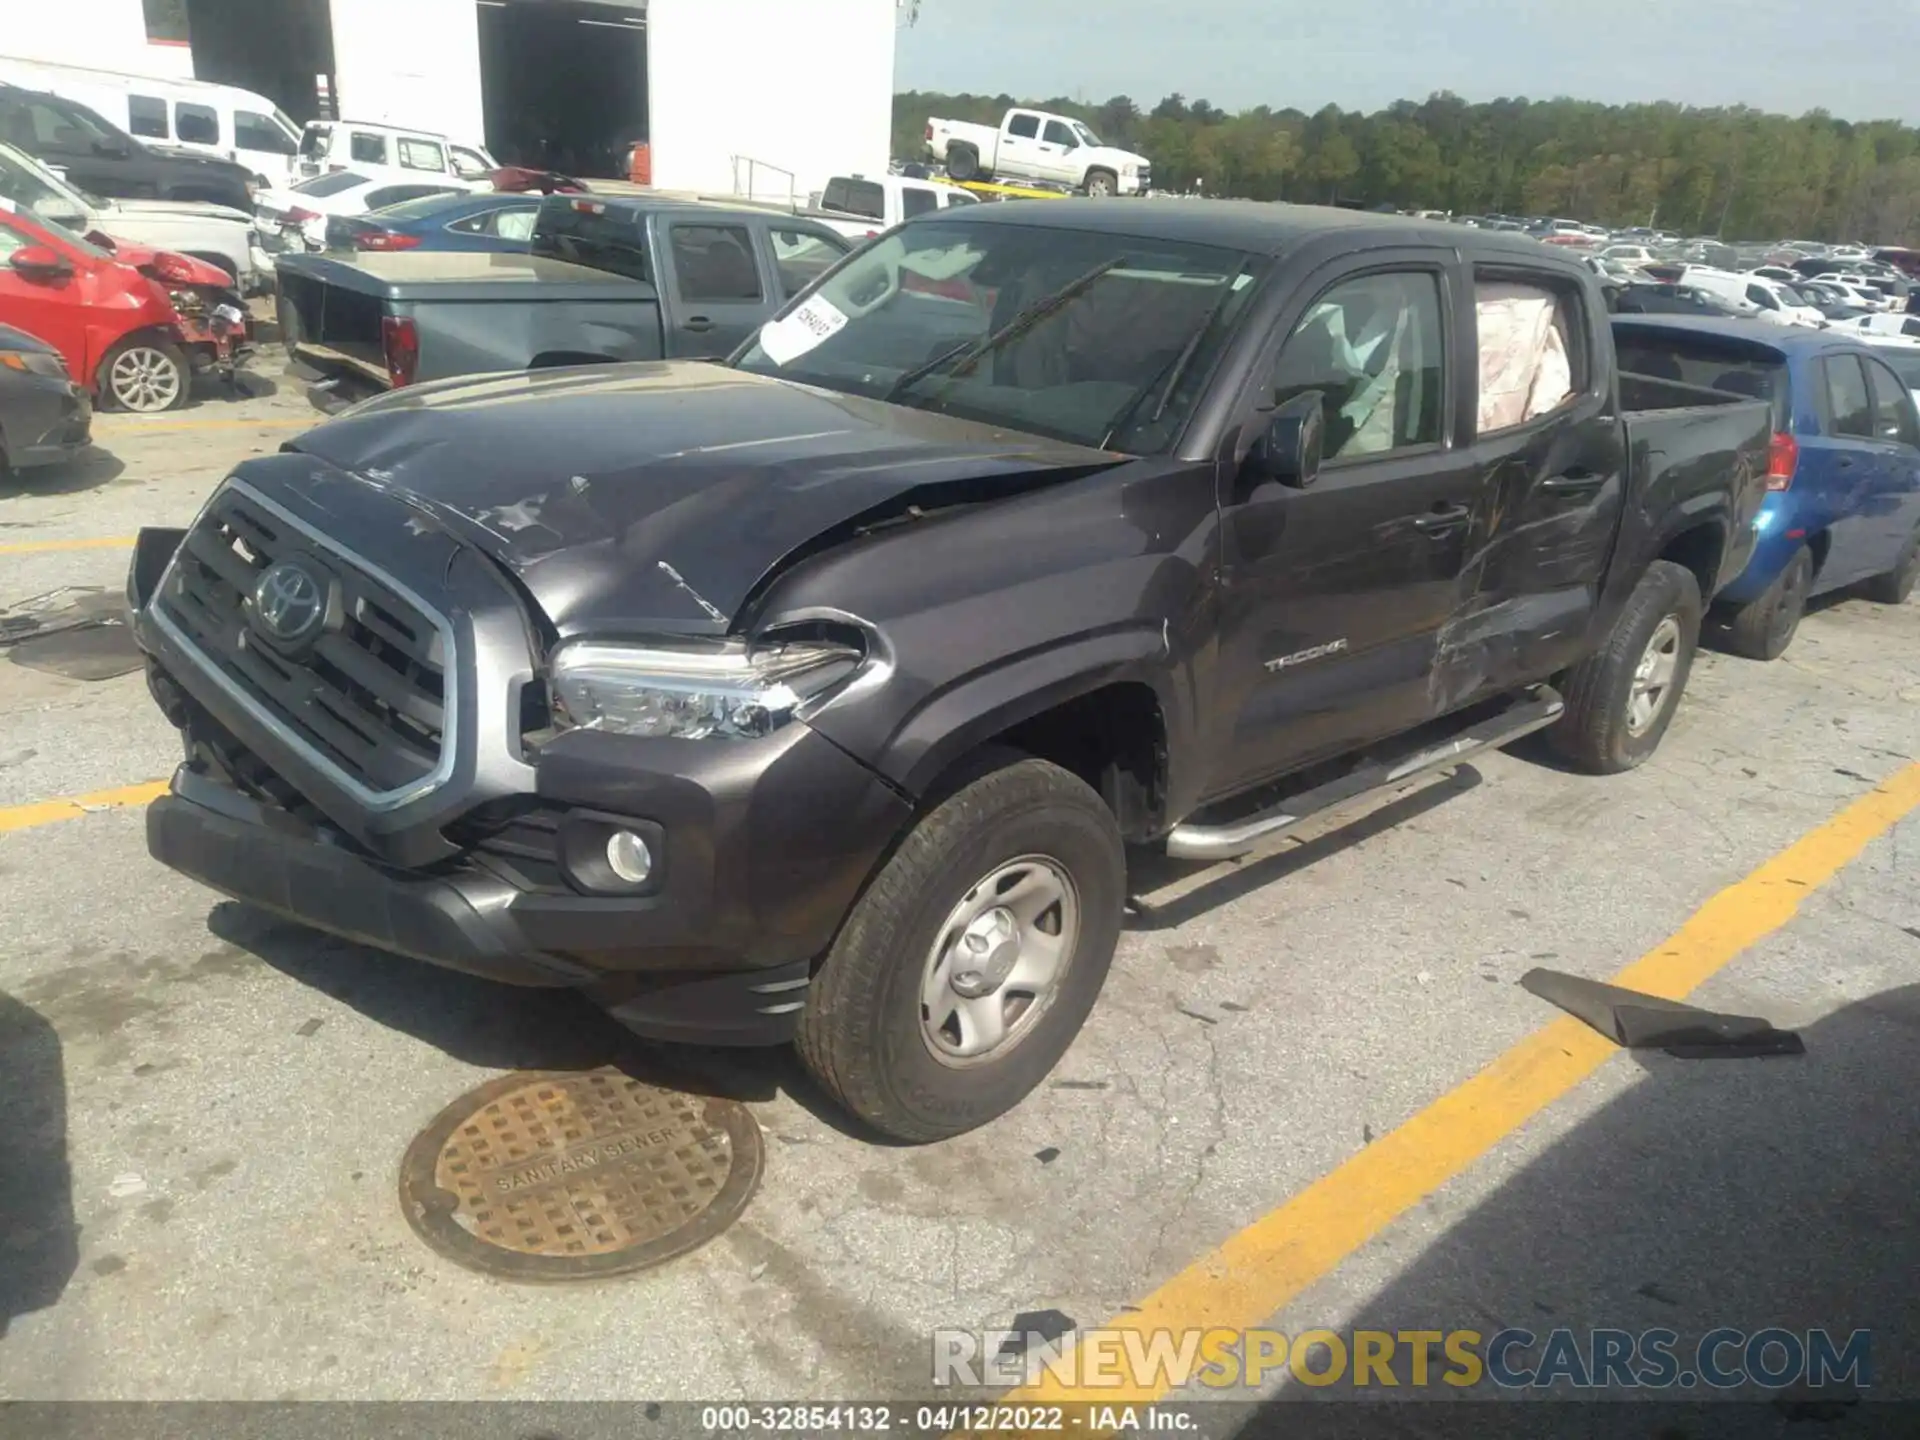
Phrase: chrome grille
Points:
(366, 698)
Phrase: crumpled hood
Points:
(661, 494)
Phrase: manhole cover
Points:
(569, 1176)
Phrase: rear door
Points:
(1839, 490)
(1019, 144)
(711, 270)
(1548, 441)
(1333, 596)
(1890, 509)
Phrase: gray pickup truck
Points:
(609, 278)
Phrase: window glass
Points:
(1096, 338)
(393, 194)
(959, 197)
(1893, 417)
(368, 149)
(1762, 297)
(10, 240)
(801, 257)
(864, 198)
(715, 262)
(1848, 404)
(196, 124)
(148, 116)
(1910, 328)
(314, 141)
(422, 155)
(1058, 134)
(515, 225)
(917, 200)
(1025, 126)
(1372, 347)
(254, 131)
(469, 164)
(63, 127)
(591, 233)
(1710, 362)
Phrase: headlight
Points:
(34, 362)
(722, 690)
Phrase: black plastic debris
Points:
(1647, 1022)
(1048, 1155)
(1029, 1326)
(80, 632)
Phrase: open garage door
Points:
(564, 83)
(277, 50)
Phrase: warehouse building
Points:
(748, 95)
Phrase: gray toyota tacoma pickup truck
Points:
(816, 697)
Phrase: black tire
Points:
(963, 162)
(1598, 732)
(1101, 184)
(862, 1035)
(1764, 627)
(155, 356)
(1894, 587)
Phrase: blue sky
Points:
(1853, 59)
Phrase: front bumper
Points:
(43, 420)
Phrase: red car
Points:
(132, 324)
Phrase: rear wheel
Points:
(963, 162)
(1764, 627)
(1621, 698)
(145, 375)
(1897, 584)
(972, 960)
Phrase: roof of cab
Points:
(1251, 225)
(1783, 339)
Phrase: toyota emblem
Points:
(289, 603)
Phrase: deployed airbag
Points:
(1525, 365)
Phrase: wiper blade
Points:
(967, 356)
(1167, 378)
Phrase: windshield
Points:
(31, 187)
(1097, 339)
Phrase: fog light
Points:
(628, 857)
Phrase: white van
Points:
(1775, 304)
(389, 152)
(221, 120)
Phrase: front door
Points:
(1333, 595)
(1057, 160)
(51, 307)
(1549, 442)
(719, 296)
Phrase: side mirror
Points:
(1289, 452)
(40, 262)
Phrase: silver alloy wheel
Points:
(1653, 676)
(143, 378)
(999, 960)
(1099, 186)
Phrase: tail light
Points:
(297, 216)
(385, 240)
(400, 342)
(1783, 458)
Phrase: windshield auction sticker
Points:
(811, 325)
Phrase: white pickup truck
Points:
(860, 208)
(1033, 145)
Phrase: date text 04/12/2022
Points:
(957, 1417)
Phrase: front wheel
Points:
(1101, 184)
(1897, 584)
(146, 376)
(1621, 698)
(972, 960)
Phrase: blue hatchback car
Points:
(1844, 507)
(487, 221)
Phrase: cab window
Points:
(422, 155)
(254, 131)
(1058, 134)
(1373, 347)
(1027, 127)
(1893, 417)
(196, 124)
(367, 149)
(147, 116)
(801, 257)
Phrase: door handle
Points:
(1441, 519)
(699, 324)
(1573, 482)
(1845, 462)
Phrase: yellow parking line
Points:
(46, 812)
(1257, 1272)
(47, 547)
